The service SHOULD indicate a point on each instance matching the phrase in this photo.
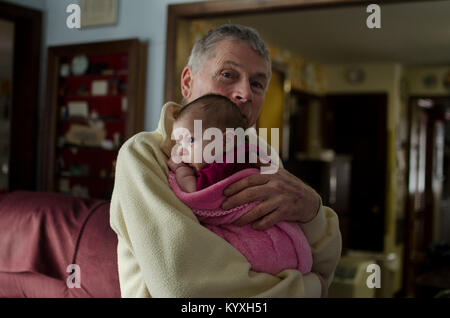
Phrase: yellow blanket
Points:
(163, 251)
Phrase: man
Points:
(163, 251)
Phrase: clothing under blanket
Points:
(283, 246)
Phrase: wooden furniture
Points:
(95, 101)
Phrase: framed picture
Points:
(98, 12)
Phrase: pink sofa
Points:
(41, 234)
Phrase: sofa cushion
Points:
(41, 234)
(96, 254)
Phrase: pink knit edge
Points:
(210, 197)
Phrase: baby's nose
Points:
(182, 151)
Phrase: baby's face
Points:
(187, 144)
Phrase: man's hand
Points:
(283, 197)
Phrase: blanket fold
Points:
(283, 246)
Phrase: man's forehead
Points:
(231, 53)
(259, 70)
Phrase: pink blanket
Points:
(283, 246)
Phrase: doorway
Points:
(23, 101)
(293, 24)
(360, 132)
(6, 62)
(352, 180)
(426, 241)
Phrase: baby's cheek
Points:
(188, 156)
(196, 148)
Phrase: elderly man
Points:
(163, 251)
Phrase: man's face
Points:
(235, 71)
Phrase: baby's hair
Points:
(215, 111)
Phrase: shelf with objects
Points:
(95, 102)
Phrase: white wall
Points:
(416, 75)
(144, 19)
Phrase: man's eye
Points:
(258, 85)
(191, 140)
(227, 74)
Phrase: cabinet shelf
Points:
(82, 98)
(76, 120)
(90, 168)
(93, 149)
(93, 77)
(76, 178)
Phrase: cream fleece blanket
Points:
(163, 250)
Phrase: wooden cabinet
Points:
(95, 101)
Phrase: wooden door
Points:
(24, 116)
(425, 182)
(359, 131)
(416, 196)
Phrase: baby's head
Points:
(214, 111)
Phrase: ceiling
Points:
(416, 33)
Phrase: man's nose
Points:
(242, 93)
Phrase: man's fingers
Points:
(253, 180)
(290, 178)
(268, 221)
(257, 212)
(247, 195)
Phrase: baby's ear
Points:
(176, 113)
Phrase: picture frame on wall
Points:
(98, 12)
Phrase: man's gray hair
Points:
(204, 48)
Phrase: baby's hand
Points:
(172, 165)
(185, 176)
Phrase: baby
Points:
(200, 183)
(213, 111)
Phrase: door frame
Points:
(413, 262)
(223, 8)
(25, 94)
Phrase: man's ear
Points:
(186, 82)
